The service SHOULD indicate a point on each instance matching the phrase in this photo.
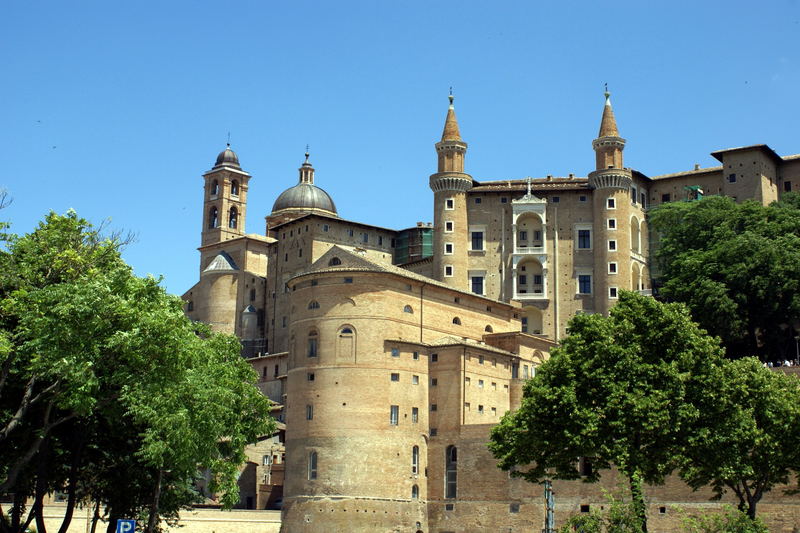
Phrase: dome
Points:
(228, 158)
(304, 196)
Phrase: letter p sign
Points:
(126, 526)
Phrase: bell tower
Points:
(450, 185)
(224, 199)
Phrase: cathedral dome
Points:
(304, 196)
(227, 157)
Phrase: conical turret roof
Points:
(608, 124)
(451, 132)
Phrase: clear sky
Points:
(115, 109)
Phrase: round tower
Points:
(611, 182)
(451, 226)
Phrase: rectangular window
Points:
(394, 415)
(414, 415)
(395, 376)
(612, 245)
(584, 284)
(434, 432)
(477, 284)
(537, 237)
(480, 383)
(448, 248)
(611, 203)
(478, 200)
(477, 240)
(665, 197)
(643, 198)
(467, 381)
(449, 204)
(732, 178)
(556, 199)
(523, 235)
(380, 240)
(466, 406)
(494, 411)
(309, 412)
(584, 239)
(633, 195)
(448, 270)
(415, 356)
(480, 409)
(480, 359)
(612, 292)
(612, 223)
(312, 465)
(434, 382)
(415, 380)
(365, 237)
(348, 280)
(612, 268)
(395, 352)
(433, 407)
(434, 357)
(312, 347)
(310, 376)
(448, 226)
(494, 385)
(523, 280)
(503, 200)
(787, 186)
(283, 322)
(582, 198)
(537, 279)
(350, 233)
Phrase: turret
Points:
(225, 199)
(450, 185)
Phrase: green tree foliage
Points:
(731, 521)
(107, 391)
(617, 390)
(745, 439)
(737, 267)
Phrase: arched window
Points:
(213, 218)
(334, 261)
(312, 344)
(488, 329)
(313, 304)
(214, 188)
(345, 331)
(457, 321)
(451, 472)
(235, 188)
(233, 218)
(407, 309)
(312, 465)
(414, 492)
(636, 235)
(415, 460)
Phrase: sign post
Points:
(126, 526)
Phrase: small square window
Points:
(582, 198)
(467, 381)
(434, 357)
(584, 284)
(612, 268)
(448, 248)
(494, 411)
(434, 407)
(478, 200)
(611, 203)
(448, 270)
(612, 245)
(466, 406)
(584, 508)
(732, 178)
(556, 199)
(395, 376)
(612, 223)
(787, 186)
(449, 506)
(513, 508)
(310, 376)
(348, 280)
(350, 233)
(494, 385)
(480, 409)
(448, 226)
(449, 203)
(665, 197)
(365, 237)
(434, 382)
(395, 352)
(503, 200)
(415, 380)
(434, 432)
(480, 383)
(612, 292)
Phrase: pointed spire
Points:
(608, 125)
(451, 132)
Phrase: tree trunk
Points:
(41, 485)
(95, 517)
(637, 497)
(152, 520)
(77, 457)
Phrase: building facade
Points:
(390, 354)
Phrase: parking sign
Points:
(126, 526)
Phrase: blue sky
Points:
(116, 109)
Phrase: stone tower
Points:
(451, 226)
(612, 213)
(225, 199)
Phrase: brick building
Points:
(390, 354)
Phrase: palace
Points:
(390, 354)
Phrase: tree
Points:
(737, 268)
(745, 437)
(616, 391)
(100, 369)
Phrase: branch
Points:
(23, 408)
(4, 372)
